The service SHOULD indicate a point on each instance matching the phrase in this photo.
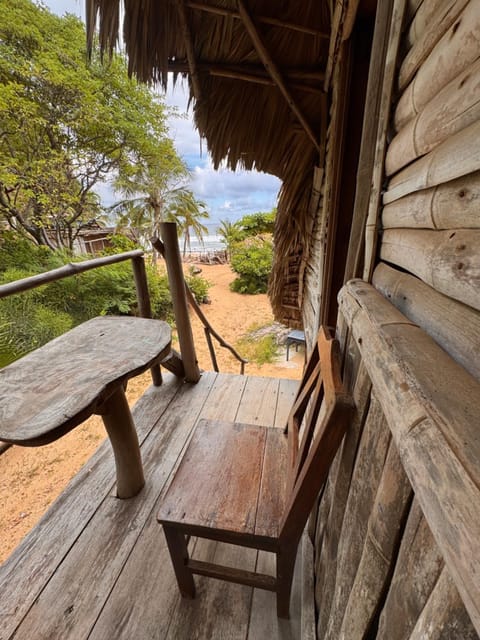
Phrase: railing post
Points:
(168, 232)
(144, 306)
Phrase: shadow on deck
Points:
(97, 567)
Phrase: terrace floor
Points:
(97, 567)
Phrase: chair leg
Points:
(177, 545)
(285, 569)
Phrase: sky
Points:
(227, 194)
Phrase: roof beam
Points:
(187, 36)
(222, 11)
(253, 73)
(273, 71)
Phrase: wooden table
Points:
(50, 391)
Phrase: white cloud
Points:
(227, 193)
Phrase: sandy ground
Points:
(31, 479)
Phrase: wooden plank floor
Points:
(97, 567)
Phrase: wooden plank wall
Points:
(380, 572)
(314, 267)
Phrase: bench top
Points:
(296, 335)
(50, 391)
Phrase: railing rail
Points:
(209, 330)
(70, 269)
(74, 268)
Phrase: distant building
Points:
(93, 238)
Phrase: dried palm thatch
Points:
(256, 76)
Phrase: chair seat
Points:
(229, 479)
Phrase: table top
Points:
(56, 387)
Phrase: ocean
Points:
(208, 243)
(211, 241)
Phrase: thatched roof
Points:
(256, 74)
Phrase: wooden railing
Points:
(168, 249)
(177, 284)
(74, 268)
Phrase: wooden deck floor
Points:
(97, 567)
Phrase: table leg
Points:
(118, 422)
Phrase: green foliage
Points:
(66, 125)
(150, 198)
(259, 350)
(160, 297)
(198, 286)
(16, 250)
(254, 224)
(252, 261)
(26, 323)
(231, 233)
(32, 318)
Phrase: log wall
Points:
(397, 531)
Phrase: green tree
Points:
(252, 261)
(231, 233)
(187, 212)
(155, 193)
(65, 126)
(254, 224)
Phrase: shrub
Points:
(254, 224)
(26, 324)
(252, 261)
(34, 317)
(15, 250)
(198, 286)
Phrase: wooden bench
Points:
(295, 337)
(48, 392)
(255, 486)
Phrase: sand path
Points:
(31, 479)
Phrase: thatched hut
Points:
(369, 113)
(319, 94)
(247, 120)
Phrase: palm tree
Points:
(187, 211)
(151, 193)
(230, 232)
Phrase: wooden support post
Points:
(179, 297)
(371, 231)
(144, 307)
(118, 422)
(353, 267)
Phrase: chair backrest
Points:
(316, 425)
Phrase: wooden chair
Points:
(253, 486)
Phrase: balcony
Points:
(98, 567)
